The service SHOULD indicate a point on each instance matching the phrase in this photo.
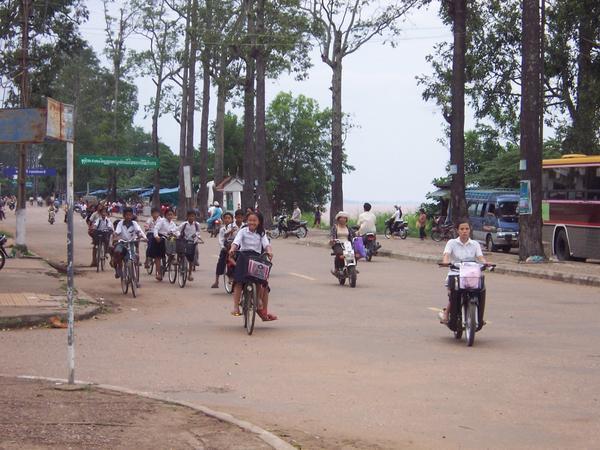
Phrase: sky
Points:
(394, 147)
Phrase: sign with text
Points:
(33, 172)
(139, 162)
(59, 124)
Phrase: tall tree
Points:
(458, 12)
(530, 235)
(158, 63)
(118, 30)
(341, 28)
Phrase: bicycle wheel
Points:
(150, 267)
(172, 269)
(251, 292)
(2, 259)
(228, 283)
(124, 279)
(101, 255)
(136, 273)
(131, 276)
(97, 251)
(183, 270)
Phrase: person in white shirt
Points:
(163, 229)
(151, 249)
(463, 248)
(224, 245)
(189, 231)
(101, 229)
(296, 216)
(127, 230)
(366, 221)
(250, 241)
(397, 218)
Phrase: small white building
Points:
(232, 188)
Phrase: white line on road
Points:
(304, 277)
(431, 308)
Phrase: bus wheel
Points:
(561, 246)
(489, 244)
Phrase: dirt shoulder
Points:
(39, 415)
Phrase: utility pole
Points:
(21, 203)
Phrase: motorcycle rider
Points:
(339, 231)
(366, 221)
(296, 217)
(216, 214)
(397, 216)
(463, 248)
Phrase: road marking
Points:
(431, 308)
(304, 277)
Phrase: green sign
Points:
(140, 162)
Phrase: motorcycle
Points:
(393, 229)
(214, 230)
(467, 298)
(371, 245)
(344, 254)
(51, 215)
(284, 228)
(3, 254)
(443, 231)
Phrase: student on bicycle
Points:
(164, 229)
(127, 230)
(224, 246)
(102, 228)
(149, 227)
(250, 240)
(189, 231)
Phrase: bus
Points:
(571, 206)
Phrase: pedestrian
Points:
(317, 217)
(421, 223)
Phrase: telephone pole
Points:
(21, 203)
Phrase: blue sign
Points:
(34, 172)
(18, 126)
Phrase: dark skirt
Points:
(156, 249)
(222, 263)
(241, 266)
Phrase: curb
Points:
(274, 441)
(582, 280)
(31, 320)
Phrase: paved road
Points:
(342, 368)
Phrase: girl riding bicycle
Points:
(164, 229)
(250, 241)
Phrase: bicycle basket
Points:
(470, 277)
(180, 246)
(170, 248)
(258, 269)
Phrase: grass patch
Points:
(8, 234)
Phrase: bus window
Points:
(483, 209)
(508, 211)
(472, 209)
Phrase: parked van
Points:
(494, 217)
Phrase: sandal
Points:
(236, 313)
(266, 317)
(443, 319)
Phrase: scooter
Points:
(3, 254)
(284, 228)
(345, 262)
(467, 298)
(214, 230)
(371, 245)
(441, 230)
(393, 229)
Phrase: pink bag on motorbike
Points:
(469, 276)
(359, 247)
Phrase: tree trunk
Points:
(191, 105)
(155, 143)
(264, 202)
(183, 121)
(220, 138)
(530, 235)
(337, 145)
(457, 128)
(248, 197)
(112, 178)
(203, 191)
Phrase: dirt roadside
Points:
(40, 415)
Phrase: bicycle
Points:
(130, 275)
(259, 268)
(101, 239)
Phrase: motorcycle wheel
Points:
(387, 233)
(274, 233)
(301, 233)
(436, 235)
(342, 280)
(403, 233)
(352, 276)
(471, 323)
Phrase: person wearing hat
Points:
(397, 216)
(216, 214)
(340, 231)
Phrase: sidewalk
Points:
(33, 293)
(47, 415)
(430, 251)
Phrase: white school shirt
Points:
(189, 232)
(246, 240)
(163, 228)
(129, 233)
(150, 224)
(366, 221)
(462, 252)
(103, 224)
